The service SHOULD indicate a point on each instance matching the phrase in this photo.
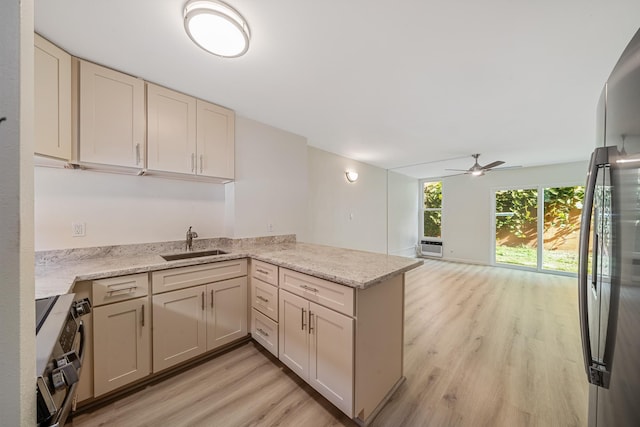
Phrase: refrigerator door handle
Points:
(596, 373)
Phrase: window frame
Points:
(423, 210)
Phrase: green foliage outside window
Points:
(516, 211)
(433, 209)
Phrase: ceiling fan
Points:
(476, 169)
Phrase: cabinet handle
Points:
(211, 298)
(310, 318)
(302, 319)
(128, 290)
(142, 316)
(201, 163)
(259, 270)
(137, 154)
(262, 332)
(308, 288)
(202, 300)
(193, 162)
(261, 298)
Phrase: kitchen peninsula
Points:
(333, 316)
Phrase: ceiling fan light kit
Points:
(476, 169)
(217, 28)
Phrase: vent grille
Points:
(431, 248)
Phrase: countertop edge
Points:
(60, 281)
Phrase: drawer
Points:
(185, 277)
(264, 331)
(264, 298)
(121, 288)
(332, 295)
(264, 271)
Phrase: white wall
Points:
(17, 317)
(343, 214)
(269, 195)
(467, 214)
(122, 209)
(402, 214)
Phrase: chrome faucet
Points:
(190, 236)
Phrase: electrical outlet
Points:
(78, 229)
(270, 228)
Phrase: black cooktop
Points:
(43, 307)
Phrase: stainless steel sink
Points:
(197, 254)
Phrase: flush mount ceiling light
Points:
(217, 28)
(352, 176)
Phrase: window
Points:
(432, 209)
(538, 228)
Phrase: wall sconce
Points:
(352, 176)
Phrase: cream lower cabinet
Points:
(227, 312)
(122, 344)
(317, 344)
(180, 326)
(190, 321)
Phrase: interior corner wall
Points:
(343, 214)
(269, 194)
(467, 215)
(402, 228)
(17, 310)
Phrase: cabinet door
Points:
(179, 326)
(216, 141)
(331, 356)
(112, 123)
(294, 335)
(226, 312)
(52, 109)
(171, 130)
(121, 344)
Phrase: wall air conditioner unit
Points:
(431, 248)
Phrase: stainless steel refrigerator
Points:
(609, 272)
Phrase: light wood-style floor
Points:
(484, 346)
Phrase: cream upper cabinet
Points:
(111, 117)
(216, 141)
(171, 130)
(52, 109)
(188, 136)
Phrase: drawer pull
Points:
(128, 290)
(261, 298)
(142, 316)
(264, 333)
(302, 319)
(259, 270)
(308, 288)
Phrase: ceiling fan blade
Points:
(458, 170)
(493, 164)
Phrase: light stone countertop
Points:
(57, 271)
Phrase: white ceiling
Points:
(388, 83)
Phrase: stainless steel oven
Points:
(60, 342)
